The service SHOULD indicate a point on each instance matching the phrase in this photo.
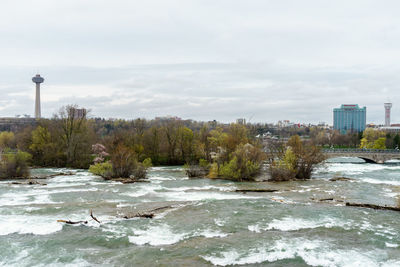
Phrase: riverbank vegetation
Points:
(120, 148)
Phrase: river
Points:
(208, 223)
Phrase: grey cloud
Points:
(269, 60)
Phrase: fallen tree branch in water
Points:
(71, 222)
(28, 183)
(326, 199)
(334, 179)
(256, 190)
(372, 206)
(94, 218)
(146, 214)
(139, 215)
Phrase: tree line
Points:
(122, 148)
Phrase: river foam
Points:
(156, 236)
(295, 224)
(355, 169)
(314, 253)
(163, 234)
(24, 224)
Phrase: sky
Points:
(202, 59)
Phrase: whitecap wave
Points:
(156, 236)
(23, 224)
(295, 224)
(143, 190)
(391, 245)
(161, 235)
(377, 181)
(354, 169)
(25, 199)
(314, 253)
(208, 233)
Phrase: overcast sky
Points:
(202, 59)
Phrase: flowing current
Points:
(203, 222)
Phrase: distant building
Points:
(241, 121)
(78, 113)
(16, 124)
(390, 129)
(349, 118)
(388, 107)
(287, 123)
(168, 118)
(212, 123)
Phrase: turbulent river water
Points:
(208, 223)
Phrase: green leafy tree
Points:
(370, 136)
(15, 165)
(244, 165)
(380, 143)
(296, 159)
(42, 147)
(7, 140)
(186, 142)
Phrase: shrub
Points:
(198, 170)
(140, 171)
(106, 170)
(15, 165)
(285, 168)
(123, 161)
(213, 173)
(297, 160)
(245, 164)
(7, 140)
(102, 169)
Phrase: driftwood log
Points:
(71, 222)
(334, 179)
(139, 215)
(148, 214)
(28, 183)
(79, 222)
(326, 199)
(372, 206)
(256, 190)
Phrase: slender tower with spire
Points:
(38, 80)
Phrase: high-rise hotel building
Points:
(349, 118)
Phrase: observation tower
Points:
(38, 80)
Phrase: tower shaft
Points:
(37, 102)
(37, 80)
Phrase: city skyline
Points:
(266, 60)
(163, 115)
